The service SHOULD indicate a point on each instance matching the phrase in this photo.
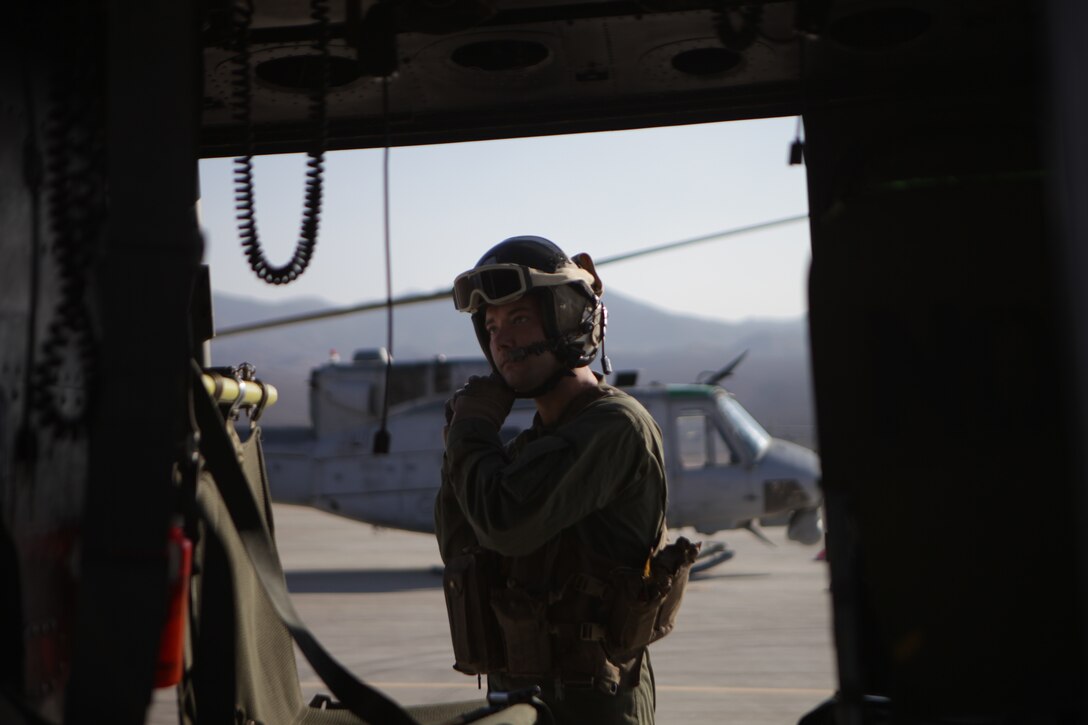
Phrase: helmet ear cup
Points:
(579, 319)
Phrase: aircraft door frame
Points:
(716, 488)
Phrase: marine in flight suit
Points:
(579, 493)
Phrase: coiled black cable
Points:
(74, 186)
(245, 204)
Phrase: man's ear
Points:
(584, 261)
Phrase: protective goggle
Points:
(499, 284)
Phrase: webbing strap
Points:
(219, 453)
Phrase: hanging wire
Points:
(797, 148)
(382, 438)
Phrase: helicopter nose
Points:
(791, 475)
(792, 484)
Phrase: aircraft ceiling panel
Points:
(530, 67)
(534, 67)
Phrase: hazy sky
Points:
(602, 193)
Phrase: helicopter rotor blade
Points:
(699, 240)
(335, 312)
(725, 372)
(446, 293)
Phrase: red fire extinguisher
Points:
(172, 641)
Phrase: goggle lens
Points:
(494, 286)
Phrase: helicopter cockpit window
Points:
(700, 443)
(751, 434)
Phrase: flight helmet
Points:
(569, 290)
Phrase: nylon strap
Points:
(221, 457)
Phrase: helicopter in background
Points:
(725, 471)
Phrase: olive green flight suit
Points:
(599, 469)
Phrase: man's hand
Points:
(482, 397)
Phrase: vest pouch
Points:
(523, 620)
(633, 615)
(644, 608)
(675, 562)
(467, 584)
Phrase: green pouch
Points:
(467, 586)
(644, 608)
(633, 616)
(672, 564)
(524, 623)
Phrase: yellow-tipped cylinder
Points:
(225, 390)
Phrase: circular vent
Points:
(705, 61)
(880, 28)
(303, 72)
(496, 56)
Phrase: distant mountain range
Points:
(773, 381)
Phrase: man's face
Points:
(515, 325)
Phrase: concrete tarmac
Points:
(752, 644)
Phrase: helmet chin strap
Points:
(518, 354)
(539, 348)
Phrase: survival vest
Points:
(563, 612)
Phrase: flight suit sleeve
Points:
(451, 528)
(515, 504)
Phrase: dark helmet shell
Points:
(573, 315)
(536, 252)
